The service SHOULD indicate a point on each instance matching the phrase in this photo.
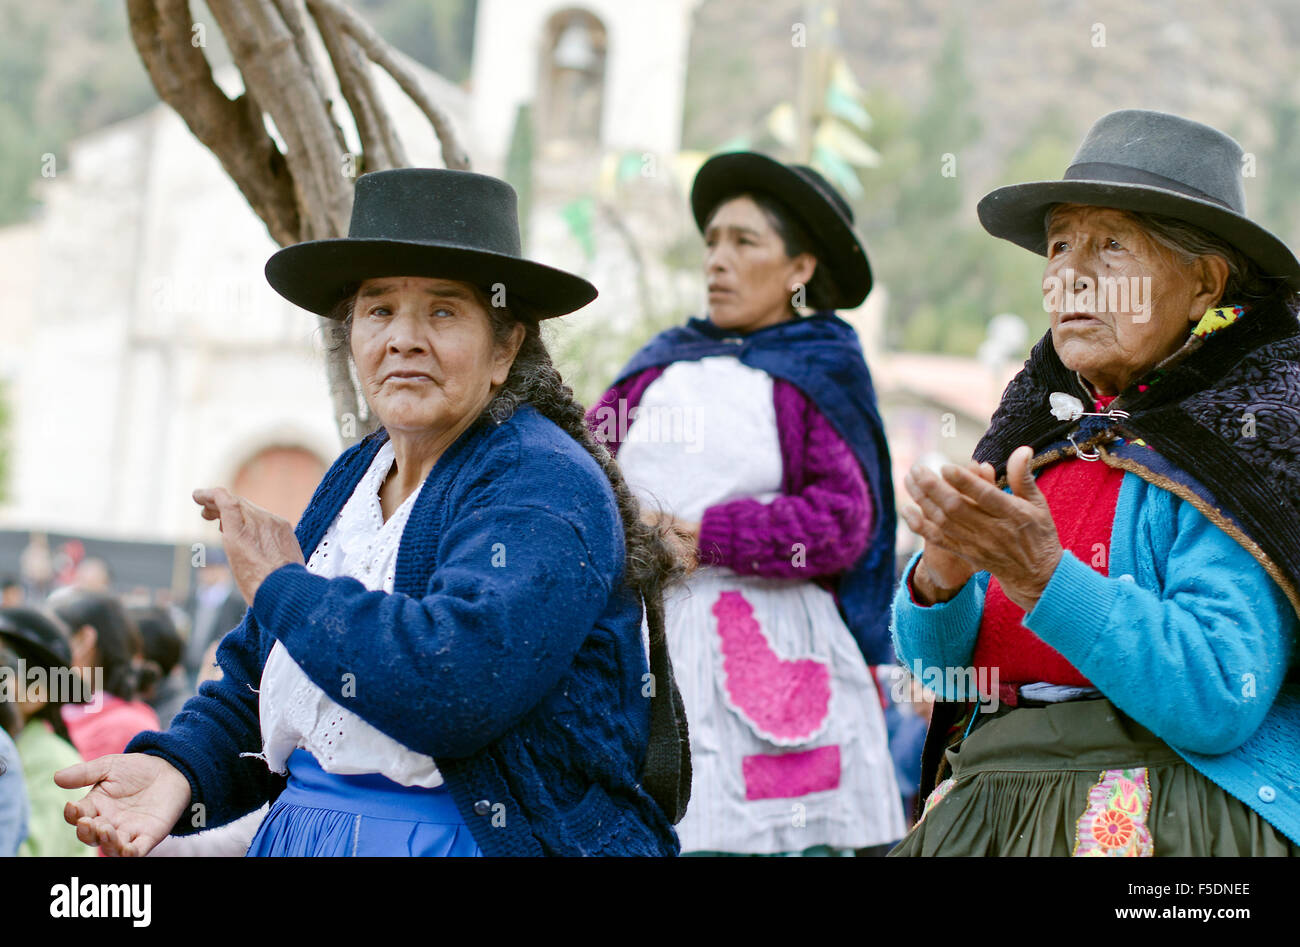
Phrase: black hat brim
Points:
(839, 247)
(32, 649)
(316, 275)
(1017, 212)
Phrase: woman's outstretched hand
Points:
(257, 542)
(134, 801)
(940, 573)
(1011, 536)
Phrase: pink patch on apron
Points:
(787, 702)
(788, 775)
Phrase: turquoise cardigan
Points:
(1188, 635)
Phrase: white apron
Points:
(788, 742)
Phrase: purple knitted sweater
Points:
(825, 503)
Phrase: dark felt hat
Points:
(1149, 162)
(808, 196)
(36, 636)
(430, 222)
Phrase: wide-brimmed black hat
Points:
(430, 222)
(36, 636)
(808, 196)
(1149, 162)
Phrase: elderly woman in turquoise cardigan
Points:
(1114, 639)
(447, 656)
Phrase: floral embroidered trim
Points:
(940, 793)
(1114, 825)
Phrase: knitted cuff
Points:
(286, 597)
(942, 634)
(715, 544)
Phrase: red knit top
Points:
(1082, 496)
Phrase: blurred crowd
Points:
(84, 668)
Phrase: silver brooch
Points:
(1066, 407)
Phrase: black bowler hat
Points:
(429, 222)
(808, 196)
(1149, 162)
(36, 636)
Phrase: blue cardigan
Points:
(510, 651)
(1188, 635)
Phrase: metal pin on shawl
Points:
(1067, 407)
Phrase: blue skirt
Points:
(326, 815)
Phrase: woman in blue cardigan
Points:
(1114, 639)
(447, 657)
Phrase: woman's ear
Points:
(802, 269)
(1211, 278)
(506, 353)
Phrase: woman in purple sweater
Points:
(752, 437)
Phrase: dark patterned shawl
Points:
(1221, 419)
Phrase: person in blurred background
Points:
(907, 716)
(93, 573)
(781, 491)
(11, 591)
(13, 787)
(163, 684)
(42, 652)
(37, 566)
(218, 608)
(107, 652)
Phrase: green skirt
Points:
(1080, 778)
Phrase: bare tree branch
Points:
(383, 55)
(380, 146)
(290, 87)
(271, 50)
(302, 192)
(231, 129)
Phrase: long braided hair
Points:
(650, 564)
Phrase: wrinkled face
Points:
(750, 277)
(424, 353)
(1120, 303)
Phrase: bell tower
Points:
(600, 75)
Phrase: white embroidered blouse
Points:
(295, 712)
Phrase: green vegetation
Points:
(66, 68)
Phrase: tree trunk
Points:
(302, 191)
